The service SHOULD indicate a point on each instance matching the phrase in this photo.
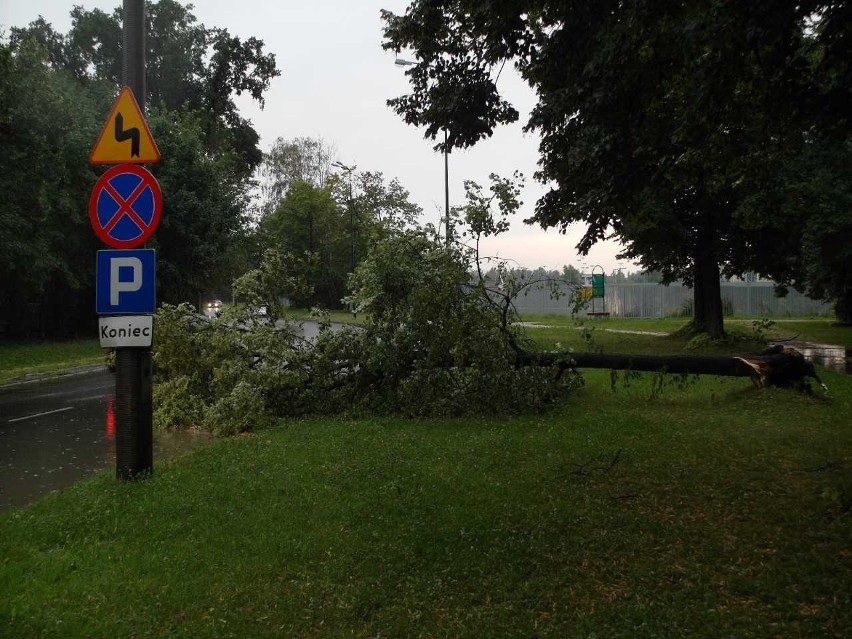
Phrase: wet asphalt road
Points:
(52, 433)
(57, 431)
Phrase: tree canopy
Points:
(302, 159)
(55, 91)
(47, 124)
(328, 220)
(189, 66)
(663, 124)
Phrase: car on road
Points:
(212, 308)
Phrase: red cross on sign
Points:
(125, 206)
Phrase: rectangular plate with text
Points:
(126, 330)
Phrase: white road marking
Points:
(89, 398)
(50, 412)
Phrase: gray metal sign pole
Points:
(133, 384)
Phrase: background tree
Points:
(290, 161)
(309, 224)
(384, 205)
(657, 121)
(814, 184)
(820, 193)
(47, 124)
(373, 210)
(330, 219)
(193, 255)
(55, 92)
(188, 66)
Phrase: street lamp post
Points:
(407, 63)
(348, 170)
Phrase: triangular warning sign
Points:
(125, 137)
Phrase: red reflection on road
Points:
(109, 425)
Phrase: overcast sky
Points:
(335, 80)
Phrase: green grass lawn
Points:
(17, 360)
(819, 330)
(600, 337)
(714, 510)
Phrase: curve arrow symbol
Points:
(131, 134)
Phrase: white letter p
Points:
(116, 286)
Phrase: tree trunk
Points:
(843, 307)
(707, 296)
(777, 367)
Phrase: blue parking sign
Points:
(125, 283)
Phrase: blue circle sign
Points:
(125, 206)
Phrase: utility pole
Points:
(133, 381)
(133, 64)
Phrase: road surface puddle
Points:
(43, 453)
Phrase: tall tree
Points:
(815, 181)
(373, 209)
(189, 66)
(309, 224)
(47, 123)
(657, 120)
(334, 228)
(381, 207)
(205, 205)
(55, 91)
(290, 161)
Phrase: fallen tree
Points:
(435, 340)
(783, 367)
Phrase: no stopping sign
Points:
(125, 206)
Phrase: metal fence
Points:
(750, 299)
